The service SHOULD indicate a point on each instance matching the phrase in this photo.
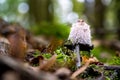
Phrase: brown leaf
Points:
(49, 63)
(18, 42)
(53, 45)
(84, 59)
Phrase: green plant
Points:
(46, 55)
(115, 61)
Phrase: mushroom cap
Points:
(80, 33)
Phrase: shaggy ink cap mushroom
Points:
(80, 34)
(80, 38)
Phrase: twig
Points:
(112, 67)
(83, 68)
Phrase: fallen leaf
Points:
(49, 63)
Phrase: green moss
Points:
(64, 60)
(46, 55)
(37, 53)
(115, 61)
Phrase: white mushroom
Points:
(80, 34)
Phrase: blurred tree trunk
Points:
(41, 10)
(89, 11)
(116, 6)
(99, 19)
(95, 13)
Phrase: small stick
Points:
(112, 67)
(83, 68)
(79, 71)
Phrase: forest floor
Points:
(24, 56)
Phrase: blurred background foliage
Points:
(102, 15)
(54, 17)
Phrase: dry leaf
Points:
(84, 59)
(18, 42)
(49, 63)
(53, 45)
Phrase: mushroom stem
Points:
(77, 51)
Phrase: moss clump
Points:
(115, 61)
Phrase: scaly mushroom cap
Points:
(80, 33)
